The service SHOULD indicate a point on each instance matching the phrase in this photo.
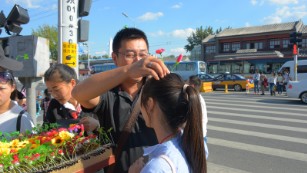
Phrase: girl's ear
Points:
(73, 82)
(150, 104)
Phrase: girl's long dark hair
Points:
(181, 107)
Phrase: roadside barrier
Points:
(206, 87)
(226, 88)
(247, 88)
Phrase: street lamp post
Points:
(124, 14)
(88, 58)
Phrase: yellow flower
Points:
(57, 141)
(22, 144)
(4, 151)
(33, 146)
(14, 143)
(66, 135)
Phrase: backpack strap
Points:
(19, 120)
(168, 160)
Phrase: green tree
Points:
(51, 33)
(197, 37)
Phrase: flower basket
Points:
(56, 150)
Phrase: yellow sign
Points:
(69, 54)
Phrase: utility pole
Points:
(68, 33)
(87, 54)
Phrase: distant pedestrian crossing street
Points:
(255, 133)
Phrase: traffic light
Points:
(84, 7)
(83, 30)
(17, 16)
(296, 37)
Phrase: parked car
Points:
(298, 89)
(234, 81)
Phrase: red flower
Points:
(60, 151)
(160, 51)
(74, 115)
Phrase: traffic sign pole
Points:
(68, 33)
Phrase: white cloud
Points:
(257, 2)
(272, 20)
(150, 16)
(176, 6)
(286, 13)
(157, 34)
(182, 33)
(101, 53)
(247, 24)
(177, 51)
(254, 2)
(284, 2)
(26, 3)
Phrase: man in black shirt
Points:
(112, 94)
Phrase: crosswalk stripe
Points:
(258, 134)
(295, 129)
(260, 111)
(215, 168)
(254, 100)
(254, 105)
(258, 117)
(259, 149)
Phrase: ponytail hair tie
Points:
(184, 88)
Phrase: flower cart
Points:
(57, 150)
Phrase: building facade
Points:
(243, 50)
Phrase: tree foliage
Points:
(197, 37)
(51, 33)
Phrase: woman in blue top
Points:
(172, 108)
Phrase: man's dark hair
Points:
(128, 34)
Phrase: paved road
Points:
(254, 133)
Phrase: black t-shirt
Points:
(113, 111)
(64, 118)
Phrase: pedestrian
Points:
(45, 103)
(195, 82)
(272, 83)
(19, 99)
(263, 83)
(167, 105)
(112, 96)
(63, 109)
(287, 78)
(256, 79)
(280, 83)
(12, 116)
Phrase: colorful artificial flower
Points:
(160, 51)
(178, 60)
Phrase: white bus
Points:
(187, 68)
(97, 68)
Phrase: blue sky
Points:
(167, 23)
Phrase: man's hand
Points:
(148, 66)
(89, 123)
